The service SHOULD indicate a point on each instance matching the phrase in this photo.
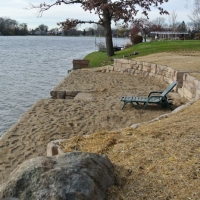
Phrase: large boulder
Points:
(71, 176)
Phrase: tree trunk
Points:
(145, 36)
(108, 33)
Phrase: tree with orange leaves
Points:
(107, 11)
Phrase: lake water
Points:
(31, 66)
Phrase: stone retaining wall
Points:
(188, 86)
(191, 87)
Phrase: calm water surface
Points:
(30, 67)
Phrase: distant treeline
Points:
(12, 27)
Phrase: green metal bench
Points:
(159, 99)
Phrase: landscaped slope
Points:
(159, 160)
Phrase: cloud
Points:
(15, 9)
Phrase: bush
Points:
(197, 36)
(127, 45)
(101, 47)
(187, 37)
(136, 39)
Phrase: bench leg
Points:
(170, 106)
(133, 105)
(145, 105)
(125, 102)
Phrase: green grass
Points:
(98, 59)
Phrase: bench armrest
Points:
(155, 96)
(153, 92)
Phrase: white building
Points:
(173, 35)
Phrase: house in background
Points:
(170, 35)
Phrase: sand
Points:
(96, 108)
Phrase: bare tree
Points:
(144, 25)
(121, 30)
(173, 20)
(159, 21)
(182, 27)
(99, 30)
(195, 15)
(107, 11)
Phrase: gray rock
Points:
(10, 198)
(72, 176)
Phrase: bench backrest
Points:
(169, 88)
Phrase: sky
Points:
(19, 11)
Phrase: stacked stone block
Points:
(191, 87)
(63, 94)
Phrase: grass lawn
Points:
(98, 59)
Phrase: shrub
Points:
(101, 47)
(187, 37)
(197, 36)
(127, 45)
(136, 39)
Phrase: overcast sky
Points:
(16, 9)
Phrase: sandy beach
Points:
(97, 107)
